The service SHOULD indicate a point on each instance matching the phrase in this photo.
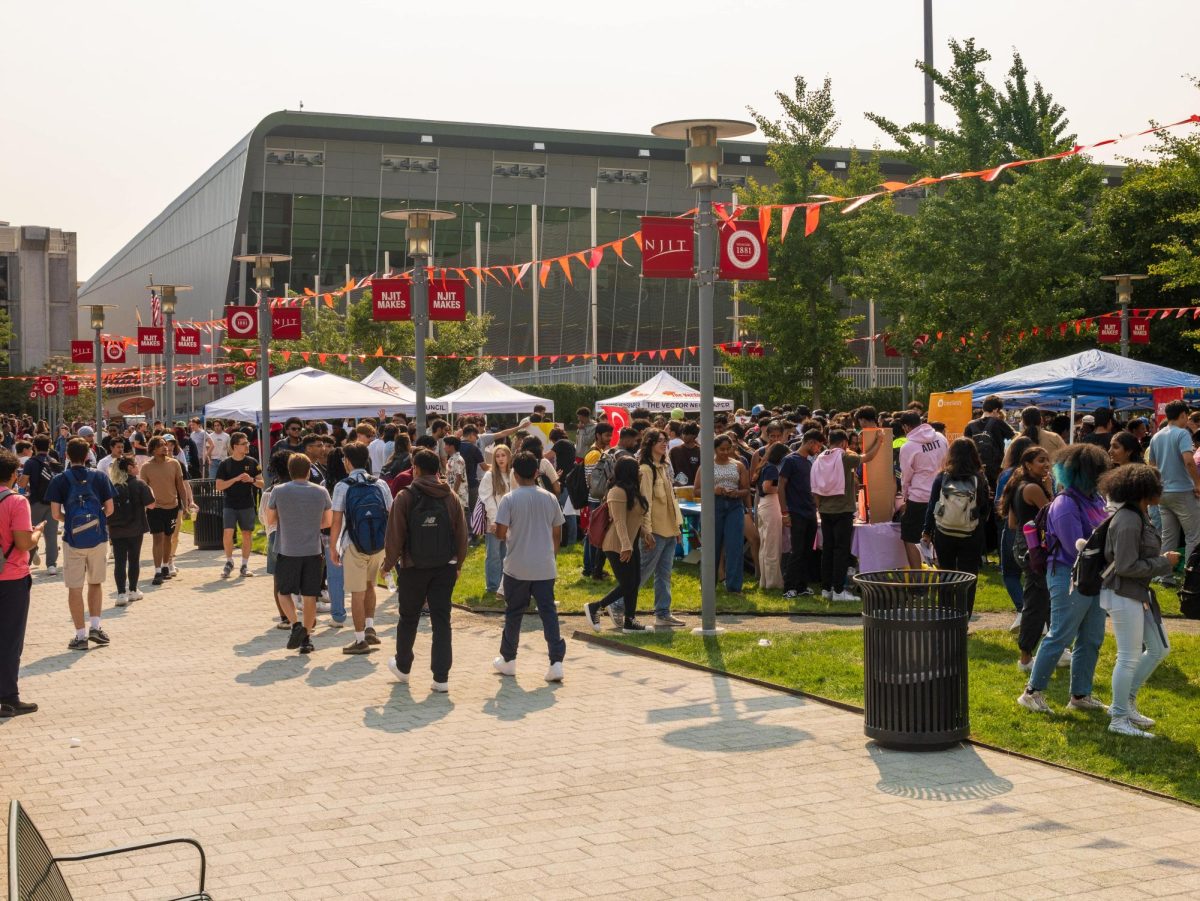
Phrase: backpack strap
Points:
(5, 494)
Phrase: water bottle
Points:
(1029, 530)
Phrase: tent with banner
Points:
(1086, 380)
(663, 393)
(487, 394)
(384, 381)
(308, 393)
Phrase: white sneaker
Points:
(1025, 667)
(1033, 700)
(1065, 660)
(505, 667)
(172, 570)
(135, 595)
(324, 594)
(390, 582)
(52, 570)
(1016, 623)
(1138, 718)
(1121, 725)
(589, 614)
(439, 686)
(322, 607)
(845, 597)
(122, 599)
(555, 673)
(827, 594)
(1087, 702)
(395, 670)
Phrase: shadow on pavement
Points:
(272, 640)
(959, 774)
(401, 714)
(55, 664)
(276, 670)
(346, 668)
(512, 702)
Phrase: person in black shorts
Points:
(239, 476)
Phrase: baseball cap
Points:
(1089, 420)
(677, 413)
(758, 408)
(167, 436)
(1140, 420)
(86, 431)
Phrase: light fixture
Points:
(538, 145)
(643, 153)
(426, 139)
(838, 164)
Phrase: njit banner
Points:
(181, 382)
(285, 324)
(214, 378)
(743, 252)
(70, 388)
(114, 351)
(230, 378)
(150, 340)
(390, 300)
(241, 322)
(448, 299)
(187, 341)
(83, 352)
(1108, 330)
(668, 247)
(1139, 330)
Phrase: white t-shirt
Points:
(220, 442)
(377, 451)
(674, 443)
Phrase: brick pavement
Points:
(318, 778)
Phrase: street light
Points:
(419, 236)
(1124, 285)
(166, 297)
(263, 276)
(703, 157)
(97, 323)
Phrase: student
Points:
(835, 493)
(202, 444)
(81, 499)
(921, 459)
(1032, 428)
(685, 459)
(220, 447)
(593, 558)
(18, 536)
(238, 476)
(494, 485)
(770, 518)
(627, 509)
(959, 509)
(128, 523)
(472, 457)
(456, 470)
(662, 523)
(427, 536)
(165, 478)
(529, 522)
(35, 476)
(278, 476)
(1171, 453)
(731, 484)
(800, 513)
(360, 513)
(300, 510)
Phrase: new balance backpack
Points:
(366, 515)
(84, 517)
(956, 512)
(430, 530)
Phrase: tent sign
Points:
(390, 300)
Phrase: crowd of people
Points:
(359, 507)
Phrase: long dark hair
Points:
(625, 477)
(962, 462)
(1020, 476)
(1015, 451)
(1031, 418)
(650, 438)
(1131, 444)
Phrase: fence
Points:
(635, 373)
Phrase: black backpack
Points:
(40, 479)
(1189, 594)
(990, 455)
(122, 514)
(576, 485)
(1087, 573)
(430, 530)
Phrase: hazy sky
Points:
(112, 109)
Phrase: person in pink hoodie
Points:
(921, 459)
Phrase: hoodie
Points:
(921, 460)
(395, 547)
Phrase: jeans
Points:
(837, 530)
(1180, 511)
(272, 554)
(212, 468)
(516, 597)
(127, 559)
(960, 554)
(570, 529)
(14, 615)
(804, 532)
(731, 537)
(335, 581)
(1009, 571)
(493, 563)
(1035, 611)
(1135, 628)
(629, 576)
(1074, 617)
(41, 513)
(657, 562)
(593, 557)
(415, 586)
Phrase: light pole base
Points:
(700, 630)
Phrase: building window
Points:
(284, 156)
(731, 181)
(623, 176)
(394, 163)
(519, 170)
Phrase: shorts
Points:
(162, 522)
(360, 570)
(912, 522)
(299, 575)
(242, 519)
(84, 566)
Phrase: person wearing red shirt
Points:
(17, 537)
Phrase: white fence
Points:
(636, 373)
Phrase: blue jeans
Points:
(1074, 617)
(1135, 629)
(212, 468)
(335, 578)
(657, 562)
(516, 596)
(1009, 571)
(493, 563)
(731, 537)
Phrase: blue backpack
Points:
(83, 516)
(366, 514)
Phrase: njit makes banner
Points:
(187, 341)
(83, 352)
(150, 340)
(668, 247)
(241, 322)
(448, 299)
(390, 300)
(1108, 329)
(743, 252)
(285, 324)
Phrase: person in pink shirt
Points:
(17, 538)
(921, 459)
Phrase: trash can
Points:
(209, 523)
(915, 657)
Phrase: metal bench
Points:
(33, 873)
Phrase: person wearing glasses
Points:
(291, 440)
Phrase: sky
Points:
(112, 109)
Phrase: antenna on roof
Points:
(301, 106)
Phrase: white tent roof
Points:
(487, 394)
(382, 380)
(308, 393)
(662, 393)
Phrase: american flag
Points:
(156, 318)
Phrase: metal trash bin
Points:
(210, 520)
(915, 657)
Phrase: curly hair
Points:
(1132, 484)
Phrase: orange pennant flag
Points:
(488, 272)
(597, 256)
(287, 355)
(379, 351)
(544, 273)
(812, 218)
(679, 353)
(521, 359)
(617, 245)
(764, 221)
(304, 355)
(786, 220)
(342, 357)
(893, 185)
(329, 301)
(637, 239)
(321, 358)
(308, 292)
(566, 268)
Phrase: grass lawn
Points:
(829, 664)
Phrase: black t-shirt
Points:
(241, 495)
(473, 458)
(686, 460)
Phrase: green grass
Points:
(829, 664)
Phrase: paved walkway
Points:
(317, 777)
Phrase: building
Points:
(312, 185)
(38, 291)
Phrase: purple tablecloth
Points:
(877, 547)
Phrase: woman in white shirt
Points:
(493, 485)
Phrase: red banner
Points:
(187, 341)
(1162, 397)
(181, 382)
(668, 247)
(390, 300)
(618, 418)
(230, 378)
(285, 324)
(448, 299)
(150, 340)
(83, 352)
(1139, 330)
(71, 388)
(1108, 329)
(743, 252)
(114, 351)
(251, 370)
(214, 378)
(241, 322)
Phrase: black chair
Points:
(33, 873)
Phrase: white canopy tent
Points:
(487, 394)
(308, 393)
(382, 380)
(661, 394)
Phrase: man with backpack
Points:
(35, 476)
(359, 530)
(82, 500)
(238, 476)
(427, 536)
(991, 434)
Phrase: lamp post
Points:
(166, 296)
(703, 157)
(263, 276)
(419, 237)
(97, 323)
(1124, 285)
